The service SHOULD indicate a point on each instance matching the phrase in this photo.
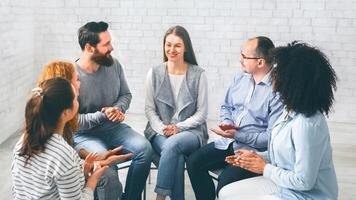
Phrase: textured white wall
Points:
(217, 28)
(17, 63)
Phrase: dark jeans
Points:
(209, 158)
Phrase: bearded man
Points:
(103, 100)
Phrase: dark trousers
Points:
(209, 158)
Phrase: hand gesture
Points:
(89, 164)
(224, 126)
(229, 133)
(94, 178)
(111, 157)
(248, 160)
(113, 114)
(170, 130)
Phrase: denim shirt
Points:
(300, 157)
(253, 107)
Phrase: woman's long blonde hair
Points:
(64, 70)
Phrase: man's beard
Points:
(102, 59)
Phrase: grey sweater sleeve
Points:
(91, 120)
(125, 96)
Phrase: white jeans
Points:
(257, 188)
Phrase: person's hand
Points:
(89, 164)
(224, 126)
(94, 178)
(115, 159)
(111, 157)
(113, 114)
(230, 133)
(170, 130)
(249, 160)
(233, 159)
(109, 153)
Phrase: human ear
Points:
(89, 48)
(66, 114)
(261, 62)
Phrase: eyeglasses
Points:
(250, 58)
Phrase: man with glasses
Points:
(246, 118)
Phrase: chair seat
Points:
(124, 165)
(215, 173)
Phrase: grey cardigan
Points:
(186, 104)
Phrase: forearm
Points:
(253, 139)
(125, 96)
(155, 122)
(91, 120)
(287, 179)
(123, 102)
(195, 120)
(226, 115)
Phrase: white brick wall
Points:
(17, 63)
(217, 28)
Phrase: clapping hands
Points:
(248, 160)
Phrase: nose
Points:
(241, 59)
(111, 48)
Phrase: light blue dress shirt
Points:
(253, 107)
(300, 158)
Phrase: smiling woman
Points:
(177, 123)
(178, 37)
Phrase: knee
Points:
(143, 149)
(170, 146)
(146, 148)
(109, 179)
(193, 160)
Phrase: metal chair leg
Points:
(144, 193)
(149, 177)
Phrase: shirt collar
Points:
(288, 115)
(285, 116)
(267, 78)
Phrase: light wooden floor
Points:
(343, 137)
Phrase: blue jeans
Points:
(133, 142)
(173, 151)
(109, 186)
